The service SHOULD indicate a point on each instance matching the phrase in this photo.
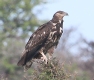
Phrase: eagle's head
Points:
(59, 15)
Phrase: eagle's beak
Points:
(66, 14)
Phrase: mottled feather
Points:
(35, 42)
(43, 40)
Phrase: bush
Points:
(51, 71)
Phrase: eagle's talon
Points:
(44, 59)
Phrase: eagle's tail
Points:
(26, 59)
(26, 65)
(22, 61)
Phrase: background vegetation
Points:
(17, 22)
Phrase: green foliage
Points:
(16, 20)
(52, 71)
(10, 68)
(15, 14)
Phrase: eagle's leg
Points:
(44, 58)
(49, 56)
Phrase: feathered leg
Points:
(50, 52)
(44, 58)
(49, 56)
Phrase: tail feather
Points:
(22, 61)
(28, 65)
(27, 56)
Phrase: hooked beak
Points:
(66, 14)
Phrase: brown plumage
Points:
(43, 40)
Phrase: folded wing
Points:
(35, 42)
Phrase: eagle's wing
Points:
(35, 42)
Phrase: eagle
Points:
(44, 40)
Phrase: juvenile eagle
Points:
(43, 40)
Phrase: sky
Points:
(81, 15)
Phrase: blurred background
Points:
(19, 18)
